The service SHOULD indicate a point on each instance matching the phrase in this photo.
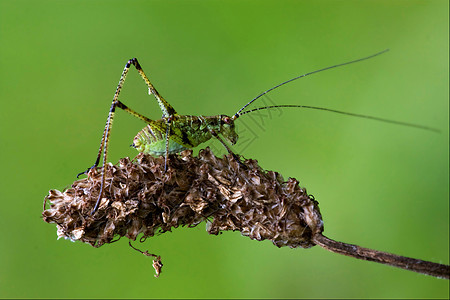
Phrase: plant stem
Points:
(407, 263)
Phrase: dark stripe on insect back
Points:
(185, 139)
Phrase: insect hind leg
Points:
(167, 110)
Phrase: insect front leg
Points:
(235, 156)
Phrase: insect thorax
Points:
(206, 125)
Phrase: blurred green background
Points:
(379, 185)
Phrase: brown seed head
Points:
(139, 198)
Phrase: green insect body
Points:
(185, 132)
(174, 133)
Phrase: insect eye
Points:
(227, 120)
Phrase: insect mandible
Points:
(174, 133)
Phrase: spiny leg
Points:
(166, 108)
(105, 142)
(110, 116)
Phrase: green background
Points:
(379, 185)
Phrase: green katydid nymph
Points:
(174, 133)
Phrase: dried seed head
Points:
(140, 198)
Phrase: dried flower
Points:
(140, 198)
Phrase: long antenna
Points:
(344, 113)
(304, 75)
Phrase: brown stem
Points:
(407, 263)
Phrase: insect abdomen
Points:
(154, 142)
